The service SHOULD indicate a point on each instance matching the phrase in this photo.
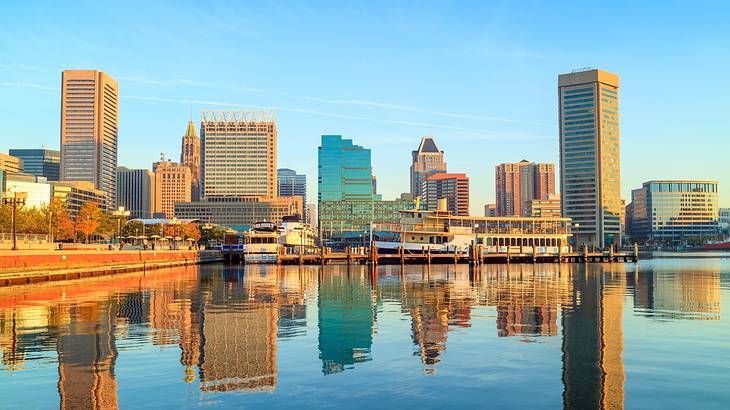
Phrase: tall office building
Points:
(345, 171)
(290, 183)
(10, 163)
(238, 154)
(590, 174)
(136, 191)
(453, 187)
(89, 122)
(426, 161)
(172, 185)
(190, 157)
(518, 184)
(672, 211)
(40, 162)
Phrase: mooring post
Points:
(636, 251)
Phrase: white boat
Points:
(421, 231)
(296, 236)
(261, 243)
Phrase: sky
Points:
(481, 77)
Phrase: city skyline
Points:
(481, 117)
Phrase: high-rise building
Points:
(40, 162)
(590, 173)
(89, 122)
(172, 185)
(10, 163)
(490, 210)
(136, 191)
(517, 184)
(344, 169)
(291, 184)
(453, 187)
(426, 161)
(238, 154)
(346, 199)
(190, 157)
(672, 211)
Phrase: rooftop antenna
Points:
(162, 157)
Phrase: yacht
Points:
(261, 243)
(296, 236)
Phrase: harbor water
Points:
(652, 334)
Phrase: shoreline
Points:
(25, 267)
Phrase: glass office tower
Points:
(345, 171)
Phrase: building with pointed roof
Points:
(190, 157)
(427, 160)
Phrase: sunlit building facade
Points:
(190, 157)
(172, 185)
(672, 211)
(590, 173)
(238, 154)
(453, 187)
(517, 184)
(89, 122)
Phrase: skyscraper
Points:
(238, 154)
(518, 184)
(89, 107)
(190, 157)
(453, 187)
(590, 172)
(427, 160)
(344, 170)
(136, 191)
(291, 184)
(172, 185)
(40, 162)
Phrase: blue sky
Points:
(479, 76)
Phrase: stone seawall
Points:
(38, 266)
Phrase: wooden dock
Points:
(475, 256)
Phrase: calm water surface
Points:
(652, 335)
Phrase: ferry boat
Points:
(296, 236)
(421, 231)
(261, 243)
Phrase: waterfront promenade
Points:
(30, 266)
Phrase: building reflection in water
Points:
(239, 325)
(593, 373)
(346, 317)
(86, 356)
(227, 321)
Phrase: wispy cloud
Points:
(469, 133)
(28, 85)
(351, 102)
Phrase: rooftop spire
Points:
(190, 132)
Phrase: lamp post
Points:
(14, 199)
(577, 233)
(120, 213)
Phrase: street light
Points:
(120, 213)
(577, 233)
(14, 199)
